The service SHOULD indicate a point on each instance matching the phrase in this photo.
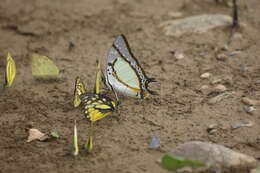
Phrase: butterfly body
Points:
(123, 72)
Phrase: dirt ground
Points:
(76, 33)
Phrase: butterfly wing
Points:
(79, 90)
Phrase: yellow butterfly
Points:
(10, 70)
(96, 105)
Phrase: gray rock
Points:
(195, 24)
(217, 157)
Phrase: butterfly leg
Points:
(117, 99)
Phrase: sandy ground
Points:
(178, 114)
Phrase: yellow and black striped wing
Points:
(79, 90)
(97, 106)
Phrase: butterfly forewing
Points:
(79, 90)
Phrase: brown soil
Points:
(178, 114)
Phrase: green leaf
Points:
(43, 67)
(173, 163)
(257, 169)
(55, 134)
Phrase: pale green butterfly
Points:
(123, 72)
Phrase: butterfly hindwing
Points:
(97, 106)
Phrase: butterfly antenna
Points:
(98, 78)
(235, 15)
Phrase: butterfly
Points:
(124, 73)
(10, 70)
(96, 105)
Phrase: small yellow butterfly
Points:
(96, 105)
(10, 70)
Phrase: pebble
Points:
(250, 102)
(179, 55)
(204, 87)
(212, 128)
(244, 124)
(216, 81)
(225, 47)
(234, 53)
(221, 57)
(257, 82)
(249, 109)
(205, 75)
(220, 88)
(175, 14)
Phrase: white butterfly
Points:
(123, 72)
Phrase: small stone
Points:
(244, 124)
(234, 53)
(212, 128)
(205, 75)
(257, 82)
(250, 102)
(204, 87)
(225, 47)
(175, 14)
(179, 55)
(220, 88)
(249, 109)
(216, 81)
(221, 57)
(213, 131)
